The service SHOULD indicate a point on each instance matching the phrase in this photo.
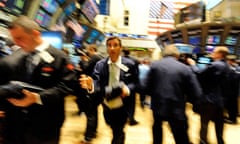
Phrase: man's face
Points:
(114, 49)
(23, 39)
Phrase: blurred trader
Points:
(232, 90)
(34, 117)
(143, 69)
(130, 102)
(94, 57)
(168, 83)
(114, 79)
(87, 103)
(212, 79)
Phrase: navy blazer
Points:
(101, 76)
(213, 81)
(168, 83)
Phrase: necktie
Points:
(30, 65)
(113, 74)
(113, 80)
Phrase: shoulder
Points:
(127, 61)
(56, 52)
(15, 57)
(102, 62)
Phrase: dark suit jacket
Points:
(42, 120)
(168, 83)
(213, 80)
(101, 76)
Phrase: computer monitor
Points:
(203, 61)
(54, 38)
(209, 48)
(49, 5)
(213, 39)
(231, 40)
(92, 36)
(42, 18)
(194, 39)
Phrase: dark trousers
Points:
(92, 122)
(28, 137)
(178, 127)
(232, 108)
(116, 119)
(90, 108)
(130, 103)
(214, 113)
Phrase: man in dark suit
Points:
(213, 80)
(88, 104)
(114, 79)
(37, 117)
(130, 102)
(170, 84)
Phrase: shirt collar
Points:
(118, 62)
(43, 46)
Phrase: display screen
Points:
(70, 8)
(194, 12)
(194, 40)
(238, 51)
(231, 40)
(77, 41)
(42, 18)
(90, 10)
(209, 48)
(231, 49)
(185, 49)
(213, 39)
(61, 1)
(49, 5)
(72, 54)
(92, 36)
(203, 61)
(196, 50)
(101, 38)
(75, 32)
(178, 40)
(54, 38)
(15, 6)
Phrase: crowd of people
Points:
(37, 77)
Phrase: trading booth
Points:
(205, 37)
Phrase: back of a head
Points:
(170, 50)
(24, 22)
(126, 52)
(223, 50)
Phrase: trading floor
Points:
(74, 127)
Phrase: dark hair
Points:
(126, 52)
(114, 37)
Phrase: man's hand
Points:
(86, 82)
(28, 99)
(190, 61)
(125, 91)
(2, 114)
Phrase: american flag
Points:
(161, 15)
